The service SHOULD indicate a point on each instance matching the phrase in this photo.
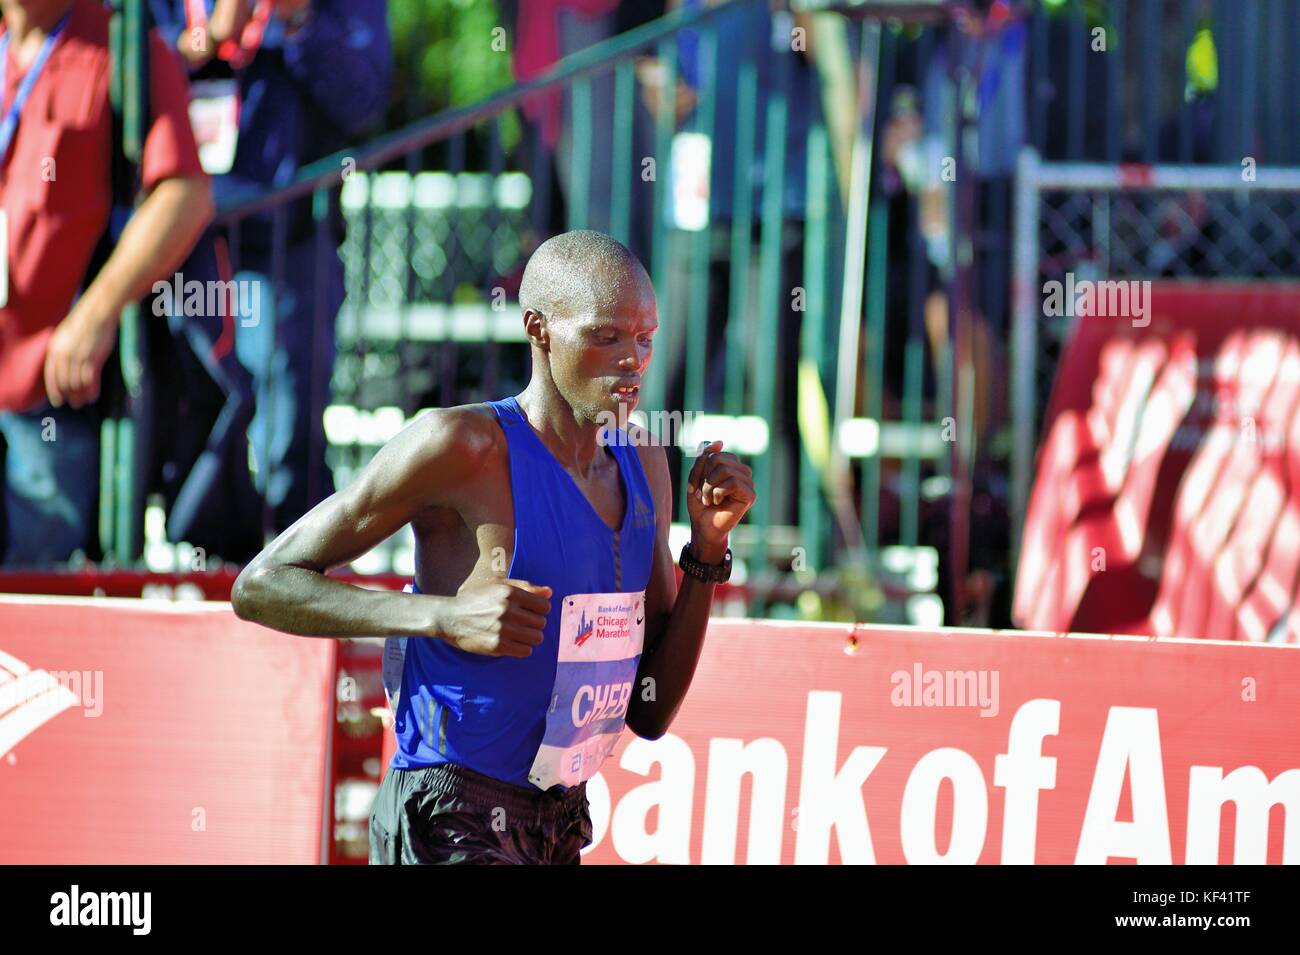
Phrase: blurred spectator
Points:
(292, 81)
(751, 32)
(785, 73)
(196, 435)
(57, 329)
(547, 31)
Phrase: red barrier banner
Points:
(153, 732)
(150, 732)
(963, 746)
(1165, 493)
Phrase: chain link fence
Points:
(425, 260)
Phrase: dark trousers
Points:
(450, 815)
(51, 484)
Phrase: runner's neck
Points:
(576, 446)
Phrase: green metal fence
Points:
(754, 295)
(795, 315)
(432, 259)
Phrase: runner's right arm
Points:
(285, 586)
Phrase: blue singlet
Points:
(489, 713)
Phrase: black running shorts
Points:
(448, 815)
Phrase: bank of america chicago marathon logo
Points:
(28, 699)
(585, 628)
(610, 627)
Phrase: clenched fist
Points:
(497, 618)
(719, 490)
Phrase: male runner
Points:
(546, 613)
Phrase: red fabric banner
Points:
(963, 746)
(146, 732)
(1166, 499)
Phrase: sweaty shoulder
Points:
(464, 439)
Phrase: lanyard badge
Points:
(9, 125)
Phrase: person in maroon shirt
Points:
(56, 331)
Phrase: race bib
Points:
(214, 116)
(595, 675)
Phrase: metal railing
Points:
(433, 251)
(431, 255)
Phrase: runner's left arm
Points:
(720, 490)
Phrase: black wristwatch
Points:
(708, 573)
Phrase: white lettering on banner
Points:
(1255, 795)
(830, 799)
(766, 763)
(1131, 741)
(1022, 771)
(831, 796)
(970, 809)
(672, 793)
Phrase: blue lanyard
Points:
(10, 122)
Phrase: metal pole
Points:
(855, 251)
(660, 268)
(773, 298)
(812, 343)
(1024, 340)
(961, 320)
(738, 340)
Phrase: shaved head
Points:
(590, 316)
(579, 273)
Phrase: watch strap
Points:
(707, 573)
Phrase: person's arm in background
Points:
(651, 73)
(341, 53)
(198, 44)
(158, 237)
(156, 240)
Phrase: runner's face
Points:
(598, 359)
